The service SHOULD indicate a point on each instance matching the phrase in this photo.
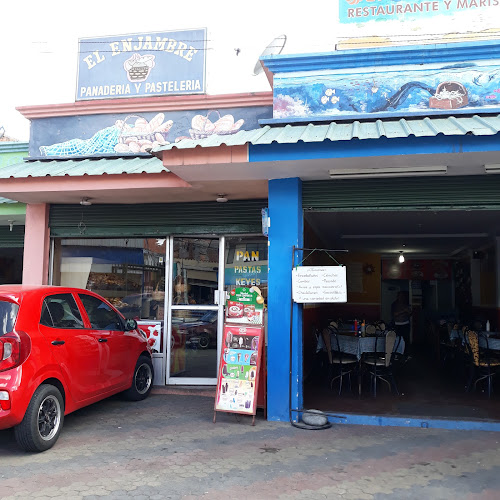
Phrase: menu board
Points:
(317, 284)
(239, 369)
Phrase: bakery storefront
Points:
(173, 284)
(104, 214)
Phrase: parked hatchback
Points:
(62, 349)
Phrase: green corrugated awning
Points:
(79, 167)
(346, 131)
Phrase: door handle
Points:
(103, 340)
(57, 342)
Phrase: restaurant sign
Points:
(358, 11)
(142, 64)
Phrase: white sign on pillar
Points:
(317, 284)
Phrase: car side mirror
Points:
(130, 324)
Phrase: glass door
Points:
(196, 309)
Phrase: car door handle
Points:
(103, 340)
(57, 342)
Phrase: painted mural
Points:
(117, 134)
(387, 91)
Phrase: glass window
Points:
(101, 316)
(128, 272)
(195, 273)
(61, 311)
(8, 316)
(246, 263)
(194, 344)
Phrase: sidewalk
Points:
(168, 448)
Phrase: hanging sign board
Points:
(239, 369)
(317, 284)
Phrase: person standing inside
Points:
(401, 313)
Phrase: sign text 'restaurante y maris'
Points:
(366, 10)
(141, 65)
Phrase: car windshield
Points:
(8, 315)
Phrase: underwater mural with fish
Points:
(385, 91)
(119, 134)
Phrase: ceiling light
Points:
(85, 202)
(412, 235)
(221, 198)
(11, 224)
(347, 173)
(492, 169)
(401, 257)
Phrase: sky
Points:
(39, 40)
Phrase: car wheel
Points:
(42, 421)
(142, 381)
(204, 341)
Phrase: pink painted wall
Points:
(36, 244)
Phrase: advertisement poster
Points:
(153, 331)
(245, 305)
(239, 369)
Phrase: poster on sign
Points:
(153, 331)
(319, 284)
(239, 367)
(245, 305)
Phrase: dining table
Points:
(348, 343)
(492, 340)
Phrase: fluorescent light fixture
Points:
(492, 169)
(412, 235)
(351, 173)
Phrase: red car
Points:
(62, 349)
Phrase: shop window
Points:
(195, 272)
(246, 263)
(129, 273)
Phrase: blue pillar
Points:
(285, 232)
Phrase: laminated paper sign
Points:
(239, 369)
(319, 284)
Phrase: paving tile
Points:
(167, 447)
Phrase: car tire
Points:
(142, 381)
(43, 420)
(204, 342)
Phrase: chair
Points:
(380, 363)
(341, 363)
(484, 364)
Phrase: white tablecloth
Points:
(356, 346)
(493, 342)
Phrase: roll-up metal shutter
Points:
(238, 216)
(403, 193)
(12, 239)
